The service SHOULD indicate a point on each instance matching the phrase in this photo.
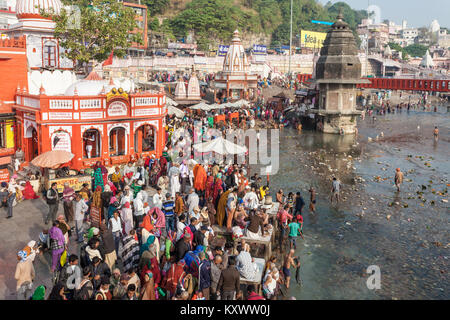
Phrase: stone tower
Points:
(338, 71)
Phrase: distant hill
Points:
(212, 22)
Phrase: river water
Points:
(407, 237)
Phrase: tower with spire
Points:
(338, 71)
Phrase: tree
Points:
(416, 50)
(92, 29)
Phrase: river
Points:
(405, 234)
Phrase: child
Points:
(291, 201)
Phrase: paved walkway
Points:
(25, 225)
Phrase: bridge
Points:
(407, 84)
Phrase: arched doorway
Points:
(91, 143)
(145, 139)
(117, 142)
(32, 143)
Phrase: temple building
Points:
(95, 120)
(189, 95)
(235, 81)
(45, 107)
(338, 71)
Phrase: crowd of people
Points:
(148, 229)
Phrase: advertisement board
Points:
(259, 49)
(222, 52)
(312, 39)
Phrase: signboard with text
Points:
(259, 49)
(223, 50)
(311, 39)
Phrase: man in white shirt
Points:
(181, 225)
(80, 209)
(144, 194)
(138, 210)
(115, 224)
(157, 198)
(250, 199)
(192, 201)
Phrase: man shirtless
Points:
(398, 179)
(436, 133)
(287, 265)
(312, 200)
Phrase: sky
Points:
(418, 13)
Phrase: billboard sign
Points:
(259, 49)
(223, 50)
(312, 39)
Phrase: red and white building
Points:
(95, 119)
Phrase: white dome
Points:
(31, 8)
(88, 87)
(95, 87)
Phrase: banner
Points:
(311, 39)
(4, 175)
(259, 49)
(223, 50)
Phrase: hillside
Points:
(212, 22)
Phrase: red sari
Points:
(209, 191)
(28, 192)
(217, 188)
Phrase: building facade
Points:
(94, 120)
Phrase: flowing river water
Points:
(405, 234)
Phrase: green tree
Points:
(92, 29)
(416, 50)
(156, 6)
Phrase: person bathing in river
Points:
(398, 179)
(436, 133)
(312, 200)
(287, 265)
(335, 189)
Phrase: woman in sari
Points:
(218, 187)
(209, 190)
(98, 179)
(28, 192)
(221, 207)
(103, 170)
(57, 244)
(154, 173)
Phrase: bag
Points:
(63, 258)
(84, 259)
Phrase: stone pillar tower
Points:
(338, 71)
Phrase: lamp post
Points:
(290, 44)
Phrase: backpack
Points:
(84, 258)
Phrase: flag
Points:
(108, 61)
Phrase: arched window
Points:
(145, 139)
(50, 53)
(117, 142)
(91, 144)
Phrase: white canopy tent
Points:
(177, 112)
(220, 146)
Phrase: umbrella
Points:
(241, 103)
(52, 159)
(221, 146)
(200, 106)
(170, 102)
(177, 112)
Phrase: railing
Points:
(61, 104)
(90, 104)
(13, 43)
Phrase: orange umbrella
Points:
(52, 159)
